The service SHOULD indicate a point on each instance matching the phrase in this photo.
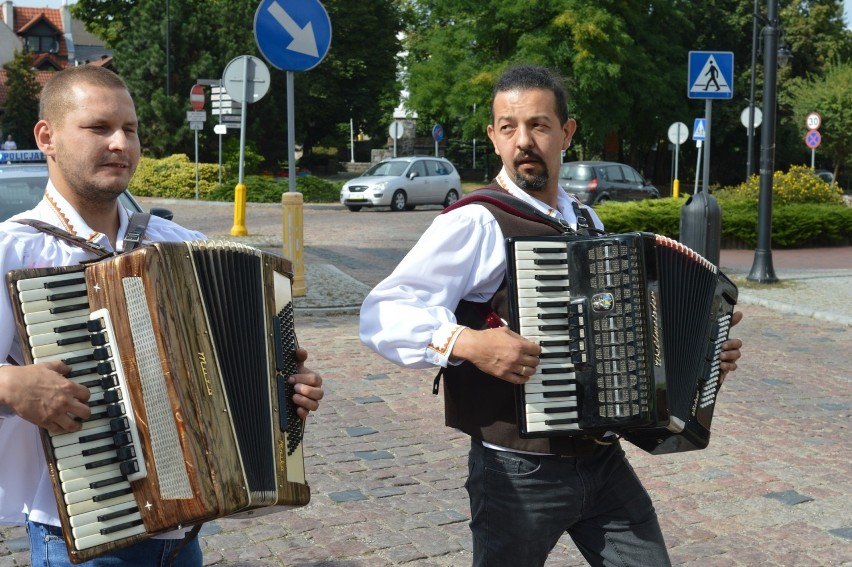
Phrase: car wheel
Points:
(602, 199)
(452, 197)
(354, 208)
(398, 201)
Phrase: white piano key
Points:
(66, 451)
(36, 283)
(92, 541)
(91, 505)
(536, 388)
(80, 482)
(535, 415)
(539, 427)
(87, 494)
(53, 348)
(94, 529)
(116, 505)
(42, 294)
(65, 355)
(44, 305)
(98, 426)
(47, 316)
(78, 460)
(51, 326)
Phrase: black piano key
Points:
(564, 421)
(101, 353)
(68, 308)
(73, 340)
(278, 341)
(97, 450)
(95, 437)
(119, 424)
(126, 453)
(551, 315)
(128, 468)
(557, 394)
(111, 495)
(83, 372)
(554, 342)
(545, 277)
(551, 288)
(108, 382)
(69, 328)
(551, 328)
(95, 325)
(557, 382)
(115, 410)
(553, 355)
(107, 482)
(118, 514)
(66, 295)
(557, 370)
(102, 462)
(98, 339)
(119, 527)
(122, 438)
(562, 409)
(554, 304)
(112, 396)
(64, 282)
(78, 359)
(548, 262)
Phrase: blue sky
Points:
(56, 3)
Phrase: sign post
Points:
(246, 79)
(395, 132)
(813, 138)
(292, 35)
(196, 99)
(437, 135)
(678, 133)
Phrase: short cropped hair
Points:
(55, 101)
(526, 77)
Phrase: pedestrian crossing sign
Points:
(699, 130)
(711, 75)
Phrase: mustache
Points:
(526, 156)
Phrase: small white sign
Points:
(813, 121)
(220, 129)
(678, 133)
(196, 125)
(196, 116)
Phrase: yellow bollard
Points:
(676, 188)
(294, 249)
(239, 228)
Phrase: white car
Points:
(402, 183)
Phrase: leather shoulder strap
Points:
(135, 231)
(48, 228)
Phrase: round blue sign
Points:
(292, 35)
(813, 139)
(437, 132)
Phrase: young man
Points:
(433, 310)
(87, 130)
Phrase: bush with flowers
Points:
(797, 185)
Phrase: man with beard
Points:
(87, 130)
(445, 306)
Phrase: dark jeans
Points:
(47, 549)
(522, 504)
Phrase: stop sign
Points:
(196, 97)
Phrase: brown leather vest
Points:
(480, 404)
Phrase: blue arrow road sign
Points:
(711, 75)
(437, 132)
(293, 35)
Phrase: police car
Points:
(23, 177)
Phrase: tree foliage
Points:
(831, 95)
(357, 78)
(625, 63)
(22, 91)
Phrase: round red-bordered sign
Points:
(196, 97)
(813, 139)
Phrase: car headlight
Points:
(380, 186)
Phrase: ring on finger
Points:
(523, 370)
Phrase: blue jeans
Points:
(522, 504)
(47, 549)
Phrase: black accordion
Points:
(631, 328)
(186, 349)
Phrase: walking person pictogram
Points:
(713, 72)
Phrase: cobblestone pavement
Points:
(772, 489)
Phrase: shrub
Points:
(263, 189)
(173, 177)
(798, 185)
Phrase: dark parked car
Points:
(22, 187)
(598, 181)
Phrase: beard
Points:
(530, 182)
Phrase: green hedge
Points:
(173, 177)
(264, 189)
(794, 225)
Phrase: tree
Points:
(22, 94)
(831, 95)
(356, 79)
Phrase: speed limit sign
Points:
(813, 121)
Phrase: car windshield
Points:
(393, 168)
(575, 172)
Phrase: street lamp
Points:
(784, 56)
(762, 270)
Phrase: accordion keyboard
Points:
(547, 315)
(97, 463)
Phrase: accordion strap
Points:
(511, 204)
(135, 230)
(48, 228)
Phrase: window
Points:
(419, 168)
(437, 168)
(42, 44)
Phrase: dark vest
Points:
(480, 404)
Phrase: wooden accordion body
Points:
(193, 417)
(631, 327)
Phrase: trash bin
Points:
(701, 225)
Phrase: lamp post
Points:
(761, 269)
(750, 153)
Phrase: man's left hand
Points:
(308, 386)
(730, 350)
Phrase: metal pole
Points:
(351, 141)
(168, 56)
(708, 120)
(750, 159)
(291, 132)
(762, 270)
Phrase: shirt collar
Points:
(70, 220)
(564, 208)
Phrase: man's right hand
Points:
(499, 352)
(41, 394)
